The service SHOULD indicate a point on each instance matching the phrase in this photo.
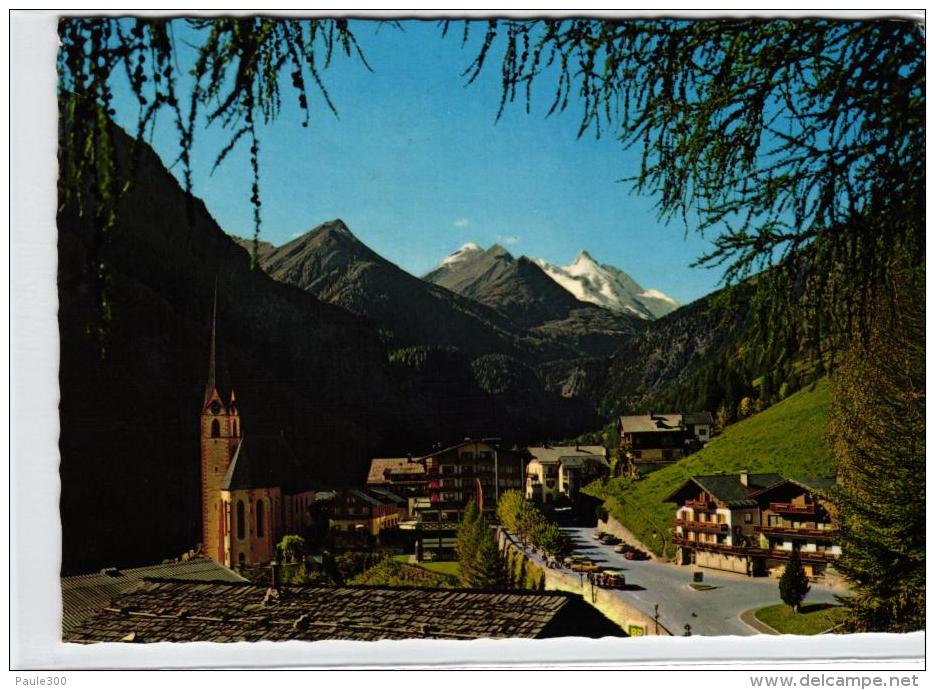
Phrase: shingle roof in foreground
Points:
(84, 595)
(174, 611)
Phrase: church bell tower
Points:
(220, 436)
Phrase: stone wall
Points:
(633, 621)
(615, 527)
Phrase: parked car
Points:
(588, 567)
(610, 539)
(598, 535)
(623, 547)
(611, 579)
(636, 555)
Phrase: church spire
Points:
(212, 364)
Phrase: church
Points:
(252, 488)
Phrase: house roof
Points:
(366, 497)
(698, 418)
(261, 462)
(491, 443)
(644, 423)
(553, 454)
(727, 488)
(815, 485)
(388, 495)
(84, 595)
(172, 611)
(380, 467)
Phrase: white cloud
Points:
(462, 223)
(508, 239)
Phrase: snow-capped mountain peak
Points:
(464, 252)
(656, 294)
(608, 287)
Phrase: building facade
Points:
(751, 523)
(473, 470)
(555, 474)
(653, 439)
(365, 512)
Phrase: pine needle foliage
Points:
(481, 565)
(797, 144)
(877, 434)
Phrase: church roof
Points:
(263, 462)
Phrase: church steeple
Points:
(211, 384)
(220, 436)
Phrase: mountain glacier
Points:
(608, 287)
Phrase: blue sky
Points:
(416, 165)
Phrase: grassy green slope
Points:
(787, 438)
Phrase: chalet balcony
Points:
(720, 527)
(792, 509)
(701, 505)
(797, 531)
(779, 554)
(710, 546)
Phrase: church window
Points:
(235, 427)
(215, 429)
(259, 519)
(240, 520)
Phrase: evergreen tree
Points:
(481, 564)
(793, 585)
(468, 542)
(877, 433)
(489, 567)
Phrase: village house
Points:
(157, 610)
(366, 512)
(403, 476)
(751, 523)
(797, 516)
(555, 473)
(652, 439)
(252, 489)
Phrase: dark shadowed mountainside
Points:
(332, 264)
(313, 371)
(690, 359)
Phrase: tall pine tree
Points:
(480, 562)
(468, 541)
(877, 431)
